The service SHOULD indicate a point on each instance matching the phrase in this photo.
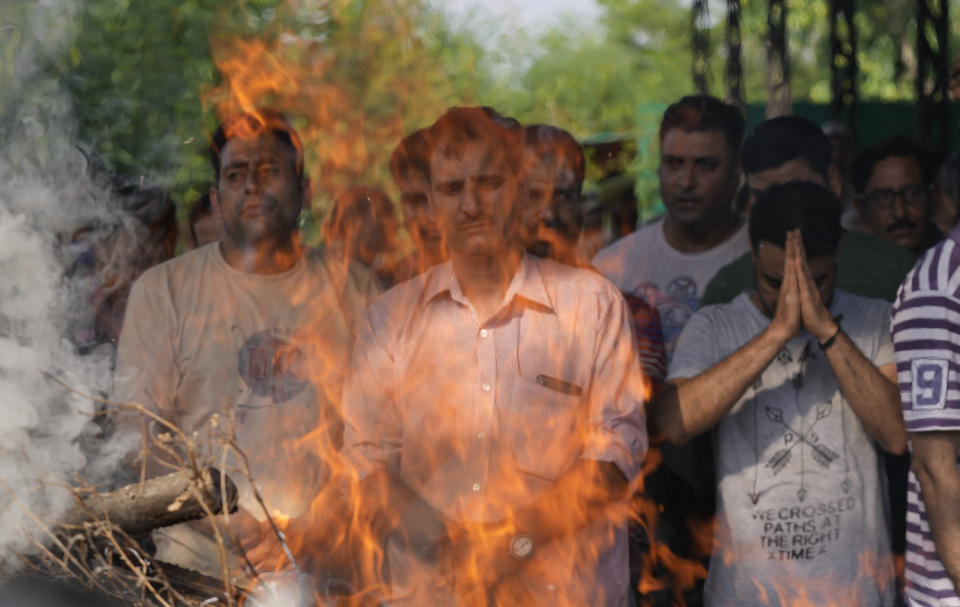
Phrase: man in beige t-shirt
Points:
(254, 327)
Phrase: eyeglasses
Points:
(912, 195)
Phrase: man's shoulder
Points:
(861, 317)
(409, 294)
(319, 261)
(851, 303)
(172, 273)
(935, 273)
(628, 246)
(571, 282)
(738, 306)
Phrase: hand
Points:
(257, 539)
(816, 317)
(477, 556)
(787, 320)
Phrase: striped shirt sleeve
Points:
(926, 335)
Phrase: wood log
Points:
(157, 502)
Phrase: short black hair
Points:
(798, 205)
(411, 156)
(779, 140)
(546, 140)
(252, 123)
(898, 146)
(460, 126)
(697, 113)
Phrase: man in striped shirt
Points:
(926, 337)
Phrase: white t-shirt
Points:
(201, 338)
(800, 498)
(644, 264)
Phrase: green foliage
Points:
(135, 71)
(147, 79)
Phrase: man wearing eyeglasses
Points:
(893, 179)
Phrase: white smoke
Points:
(46, 194)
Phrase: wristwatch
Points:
(521, 546)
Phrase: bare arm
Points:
(935, 464)
(872, 392)
(689, 407)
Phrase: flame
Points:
(320, 529)
(350, 100)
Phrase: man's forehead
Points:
(468, 158)
(548, 161)
(541, 177)
(795, 169)
(412, 181)
(680, 142)
(260, 145)
(892, 168)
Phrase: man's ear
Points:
(215, 202)
(736, 171)
(835, 179)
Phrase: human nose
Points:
(470, 203)
(252, 183)
(687, 177)
(899, 205)
(547, 212)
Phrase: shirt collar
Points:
(527, 283)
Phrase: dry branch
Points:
(157, 502)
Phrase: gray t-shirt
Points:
(801, 510)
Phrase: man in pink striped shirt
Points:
(494, 411)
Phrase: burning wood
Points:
(158, 502)
(94, 543)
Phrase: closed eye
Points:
(450, 188)
(490, 182)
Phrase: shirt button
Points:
(551, 587)
(481, 435)
(476, 486)
(484, 333)
(485, 387)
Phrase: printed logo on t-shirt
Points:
(929, 383)
(676, 305)
(273, 363)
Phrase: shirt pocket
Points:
(544, 427)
